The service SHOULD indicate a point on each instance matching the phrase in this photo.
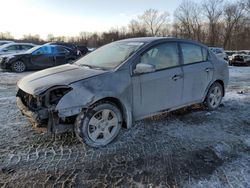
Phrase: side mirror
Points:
(144, 68)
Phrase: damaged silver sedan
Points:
(120, 83)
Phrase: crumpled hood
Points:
(39, 82)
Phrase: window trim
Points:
(133, 64)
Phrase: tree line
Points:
(221, 23)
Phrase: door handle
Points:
(209, 69)
(176, 77)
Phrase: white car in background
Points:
(219, 52)
(240, 59)
(2, 42)
(12, 48)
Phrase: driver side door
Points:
(160, 89)
(43, 58)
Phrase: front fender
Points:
(73, 102)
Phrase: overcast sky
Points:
(70, 17)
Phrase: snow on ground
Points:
(186, 148)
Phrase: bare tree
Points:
(154, 21)
(136, 28)
(32, 38)
(213, 10)
(50, 37)
(233, 14)
(187, 20)
(6, 35)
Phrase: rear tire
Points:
(99, 125)
(18, 66)
(214, 96)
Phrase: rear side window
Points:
(191, 53)
(60, 50)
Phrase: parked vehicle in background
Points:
(240, 59)
(122, 82)
(247, 52)
(219, 52)
(91, 49)
(84, 50)
(2, 42)
(11, 48)
(230, 55)
(69, 46)
(37, 58)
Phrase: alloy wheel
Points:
(103, 126)
(215, 97)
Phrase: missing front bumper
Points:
(44, 118)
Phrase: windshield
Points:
(110, 55)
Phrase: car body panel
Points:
(150, 90)
(194, 88)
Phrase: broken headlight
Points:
(54, 95)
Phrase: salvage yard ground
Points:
(190, 147)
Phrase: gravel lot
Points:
(190, 147)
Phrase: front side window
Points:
(161, 56)
(191, 53)
(44, 50)
(111, 55)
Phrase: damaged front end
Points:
(41, 110)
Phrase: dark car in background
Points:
(69, 46)
(83, 49)
(240, 59)
(37, 58)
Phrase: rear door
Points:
(162, 89)
(198, 72)
(43, 58)
(61, 55)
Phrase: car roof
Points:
(13, 43)
(155, 39)
(6, 41)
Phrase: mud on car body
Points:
(122, 82)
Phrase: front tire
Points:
(214, 96)
(18, 66)
(99, 125)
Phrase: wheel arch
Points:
(215, 81)
(222, 84)
(126, 113)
